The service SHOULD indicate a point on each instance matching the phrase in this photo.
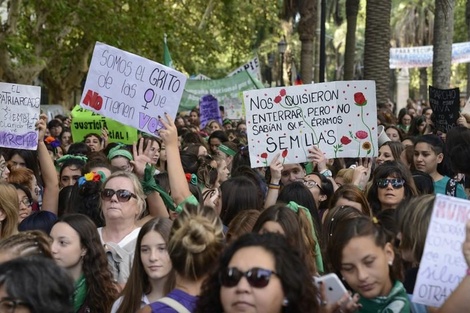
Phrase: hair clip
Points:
(53, 142)
(375, 220)
(92, 176)
(191, 179)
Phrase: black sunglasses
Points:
(396, 182)
(122, 194)
(256, 277)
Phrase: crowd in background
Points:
(181, 222)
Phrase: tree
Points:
(442, 48)
(307, 11)
(413, 25)
(377, 46)
(352, 8)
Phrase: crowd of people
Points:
(181, 222)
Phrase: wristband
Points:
(274, 186)
(326, 173)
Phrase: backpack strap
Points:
(175, 305)
(451, 187)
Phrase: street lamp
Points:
(281, 48)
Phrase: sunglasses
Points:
(396, 182)
(121, 194)
(256, 277)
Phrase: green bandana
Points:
(396, 302)
(79, 294)
(318, 260)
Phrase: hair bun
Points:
(199, 234)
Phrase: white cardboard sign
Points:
(131, 89)
(338, 117)
(19, 112)
(443, 265)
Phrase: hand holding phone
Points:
(334, 288)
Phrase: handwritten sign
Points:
(445, 104)
(131, 89)
(338, 117)
(20, 109)
(443, 265)
(85, 122)
(209, 110)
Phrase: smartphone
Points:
(334, 288)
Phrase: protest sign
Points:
(445, 104)
(251, 66)
(338, 117)
(85, 122)
(443, 265)
(131, 89)
(20, 109)
(209, 110)
(227, 91)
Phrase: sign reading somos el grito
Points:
(131, 89)
(19, 112)
(338, 117)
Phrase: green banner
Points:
(227, 91)
(85, 122)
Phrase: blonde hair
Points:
(346, 174)
(138, 191)
(196, 241)
(10, 205)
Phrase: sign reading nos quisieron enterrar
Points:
(338, 117)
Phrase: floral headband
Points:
(92, 176)
(53, 142)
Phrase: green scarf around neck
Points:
(79, 294)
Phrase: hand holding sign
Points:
(276, 168)
(41, 126)
(466, 244)
(169, 134)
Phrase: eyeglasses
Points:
(311, 183)
(396, 182)
(26, 202)
(8, 305)
(122, 195)
(256, 277)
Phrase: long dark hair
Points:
(138, 282)
(299, 290)
(102, 291)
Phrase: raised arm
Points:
(142, 157)
(50, 199)
(275, 168)
(178, 184)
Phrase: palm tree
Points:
(413, 25)
(352, 7)
(467, 20)
(307, 11)
(442, 50)
(377, 46)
